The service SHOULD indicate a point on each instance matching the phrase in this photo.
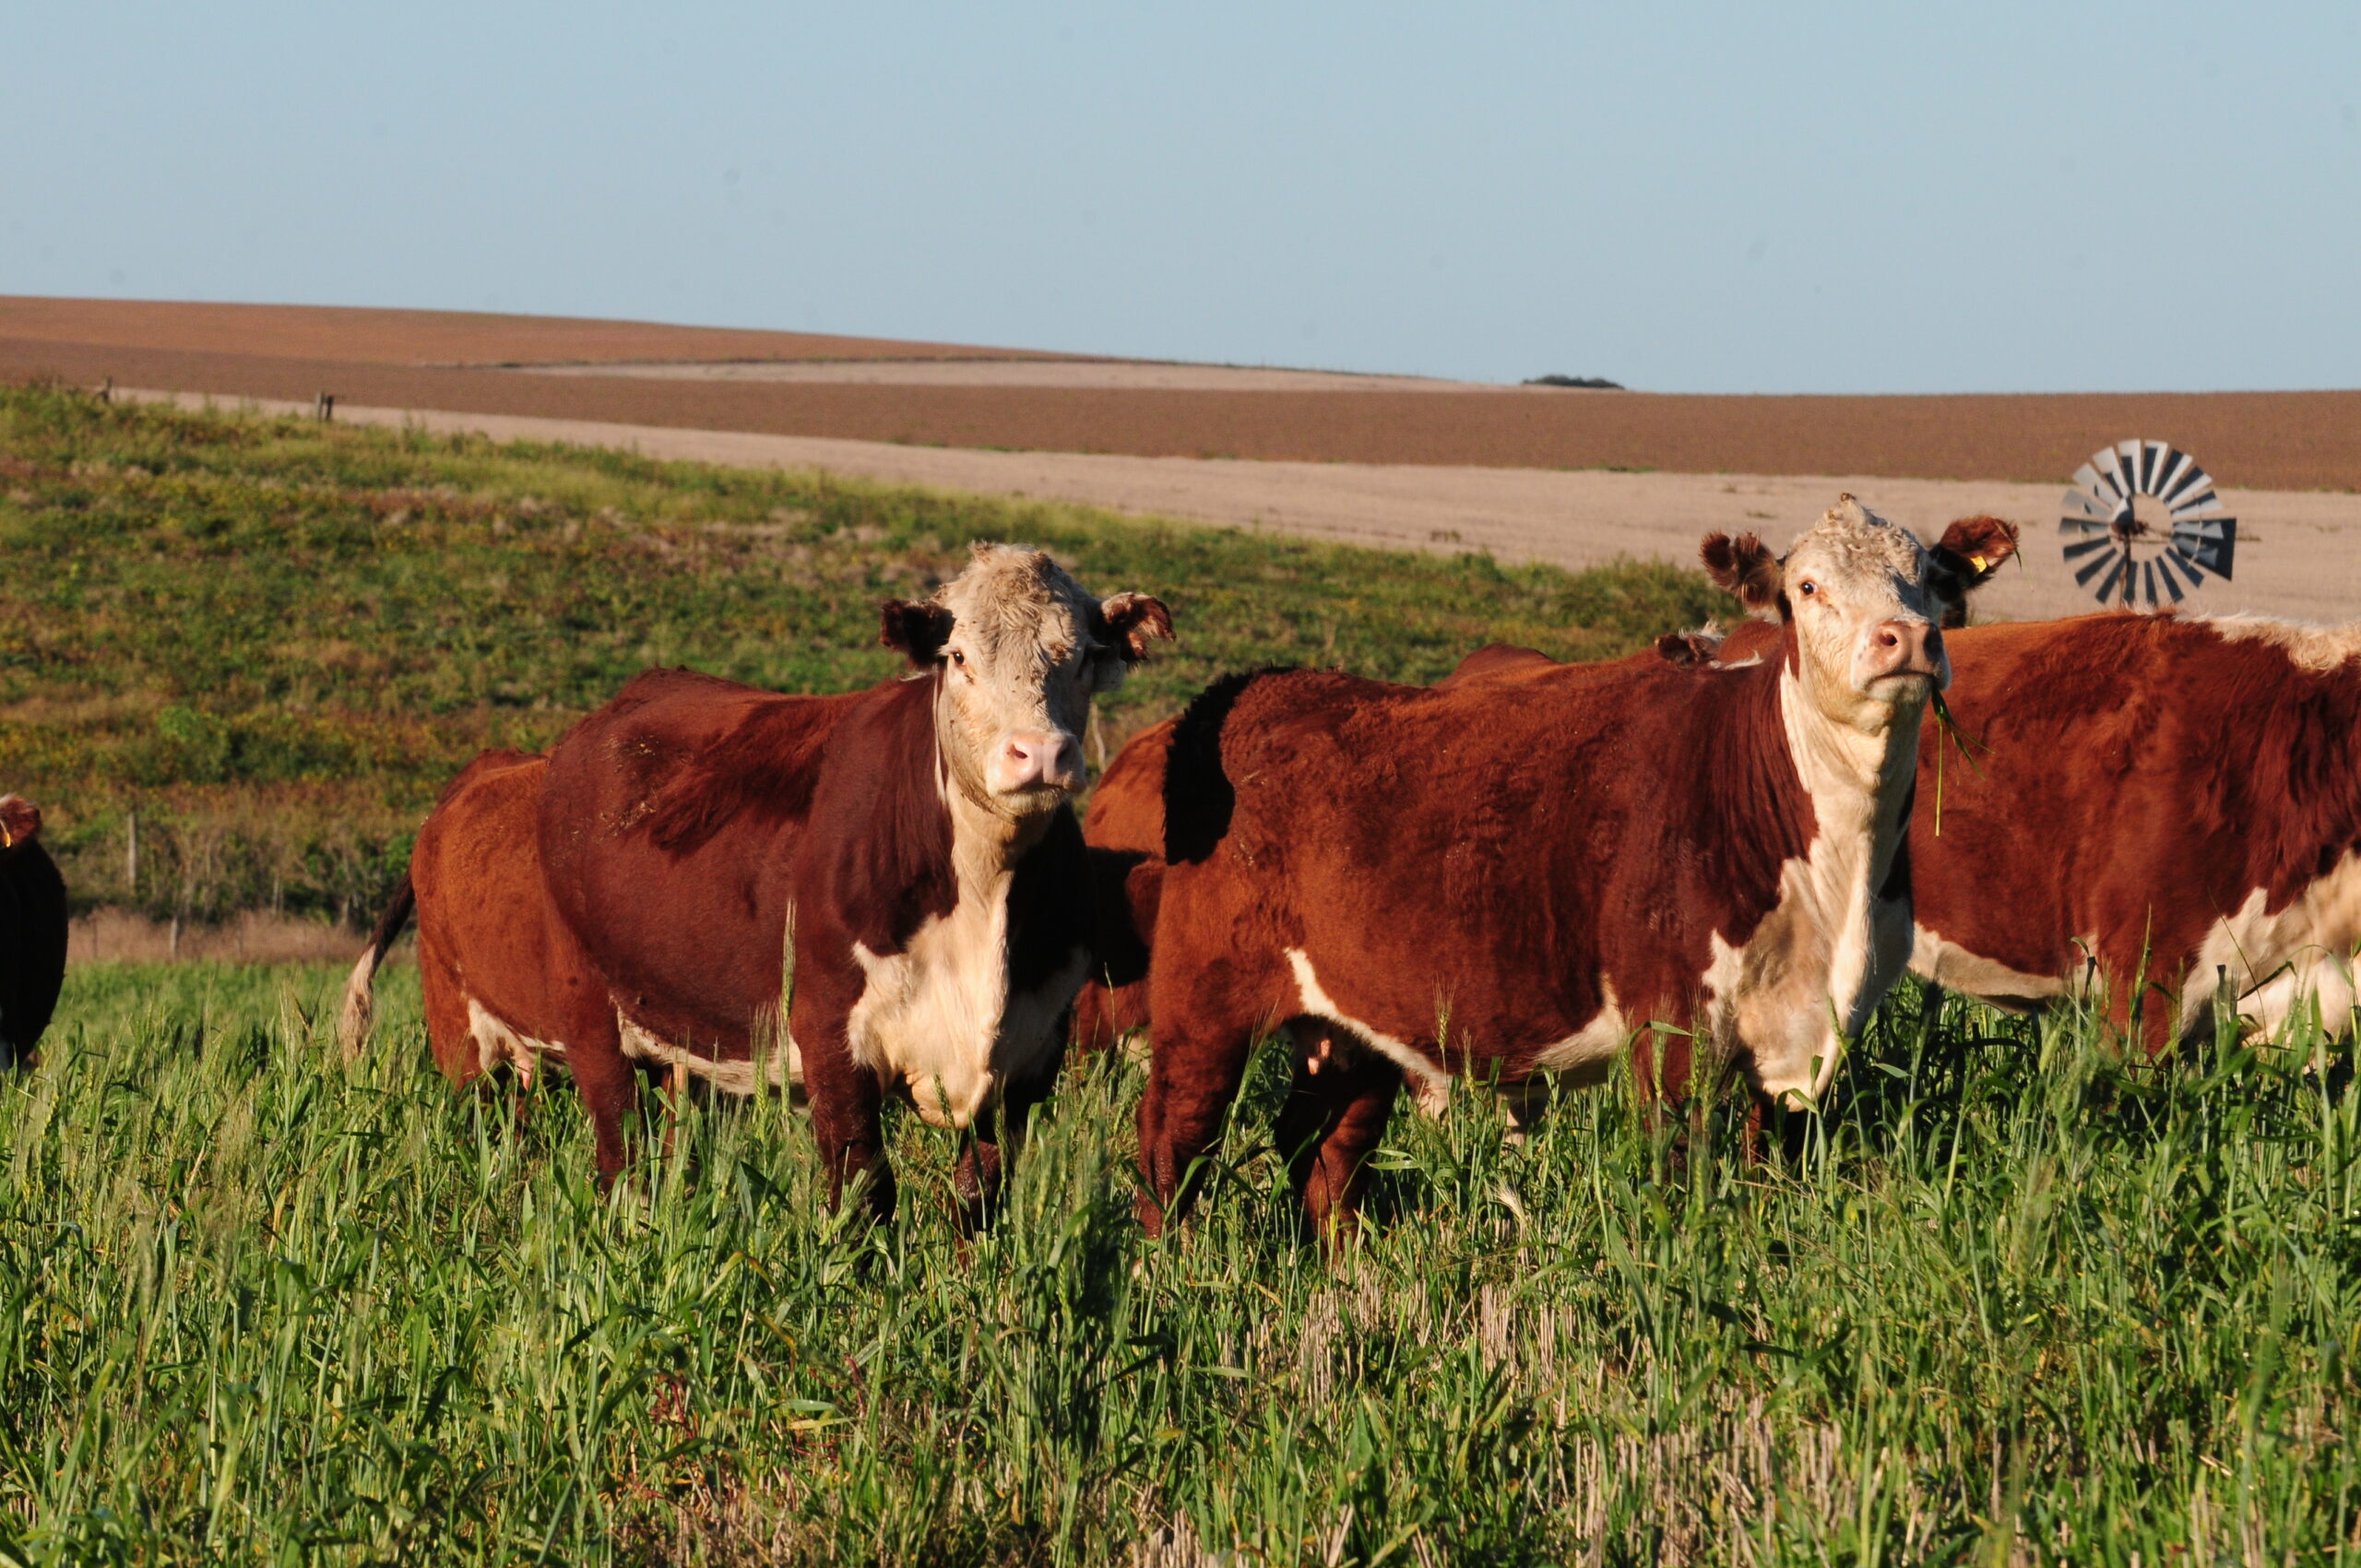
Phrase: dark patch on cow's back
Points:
(1198, 797)
(763, 769)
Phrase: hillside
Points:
(273, 641)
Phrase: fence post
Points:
(324, 407)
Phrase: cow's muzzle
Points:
(1902, 647)
(1036, 759)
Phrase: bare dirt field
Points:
(405, 360)
(426, 337)
(2299, 552)
(1113, 375)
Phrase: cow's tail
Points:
(359, 991)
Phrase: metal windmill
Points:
(2125, 559)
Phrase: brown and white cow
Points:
(1124, 828)
(1520, 878)
(2163, 804)
(2156, 805)
(894, 871)
(33, 933)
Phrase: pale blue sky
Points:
(1692, 197)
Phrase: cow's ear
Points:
(1745, 568)
(917, 628)
(20, 821)
(1690, 648)
(1131, 619)
(1974, 548)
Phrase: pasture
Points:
(2013, 1300)
(2016, 1304)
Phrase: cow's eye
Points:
(1808, 587)
(959, 659)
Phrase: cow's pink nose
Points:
(1039, 757)
(1904, 648)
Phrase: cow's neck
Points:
(1806, 976)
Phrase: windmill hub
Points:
(2143, 526)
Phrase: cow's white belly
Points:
(939, 1018)
(1934, 957)
(499, 1044)
(783, 1067)
(2274, 963)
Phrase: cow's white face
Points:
(1019, 649)
(1866, 601)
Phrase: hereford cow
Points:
(2160, 805)
(1517, 879)
(2135, 803)
(1124, 828)
(895, 870)
(33, 933)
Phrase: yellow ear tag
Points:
(1977, 562)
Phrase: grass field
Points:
(274, 641)
(2014, 1304)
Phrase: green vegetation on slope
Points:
(2016, 1305)
(276, 640)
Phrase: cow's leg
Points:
(846, 1099)
(1198, 1057)
(992, 1145)
(1335, 1115)
(448, 1033)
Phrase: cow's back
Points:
(32, 948)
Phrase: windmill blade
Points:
(2111, 564)
(2187, 483)
(2173, 567)
(2210, 542)
(2081, 547)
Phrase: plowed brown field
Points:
(397, 359)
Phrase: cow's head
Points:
(1867, 602)
(1018, 650)
(20, 822)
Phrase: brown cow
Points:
(1124, 828)
(33, 933)
(2161, 804)
(1517, 879)
(897, 870)
(2152, 804)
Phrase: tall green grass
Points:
(2014, 1302)
(273, 641)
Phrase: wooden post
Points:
(106, 390)
(131, 859)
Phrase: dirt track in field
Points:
(405, 359)
(2300, 553)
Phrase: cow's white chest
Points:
(1815, 968)
(939, 1018)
